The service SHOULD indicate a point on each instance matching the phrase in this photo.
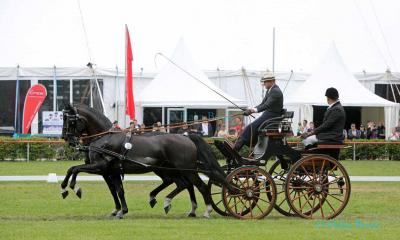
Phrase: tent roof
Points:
(174, 87)
(333, 73)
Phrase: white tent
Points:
(174, 87)
(333, 73)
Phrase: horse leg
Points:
(113, 191)
(196, 180)
(64, 184)
(190, 189)
(95, 168)
(157, 190)
(167, 202)
(116, 179)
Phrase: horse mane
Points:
(96, 113)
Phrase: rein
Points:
(150, 129)
(124, 158)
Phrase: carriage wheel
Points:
(216, 197)
(249, 200)
(317, 186)
(279, 176)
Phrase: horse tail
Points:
(207, 160)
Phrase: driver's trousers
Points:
(250, 132)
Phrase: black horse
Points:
(175, 158)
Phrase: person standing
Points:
(271, 106)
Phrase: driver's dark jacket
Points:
(272, 102)
(331, 129)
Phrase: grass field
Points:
(35, 210)
(354, 168)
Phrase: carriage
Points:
(310, 183)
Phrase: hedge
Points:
(57, 151)
(37, 151)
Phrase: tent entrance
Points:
(176, 116)
(353, 115)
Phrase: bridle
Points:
(70, 131)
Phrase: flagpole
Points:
(54, 89)
(16, 114)
(126, 65)
(116, 92)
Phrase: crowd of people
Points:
(369, 131)
(202, 127)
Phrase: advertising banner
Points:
(52, 122)
(33, 100)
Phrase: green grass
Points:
(33, 210)
(354, 168)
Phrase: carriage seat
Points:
(328, 148)
(277, 127)
(326, 145)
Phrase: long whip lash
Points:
(194, 77)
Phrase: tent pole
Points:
(273, 50)
(16, 114)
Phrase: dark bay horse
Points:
(175, 158)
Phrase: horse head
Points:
(80, 120)
(74, 125)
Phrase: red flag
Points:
(34, 99)
(130, 103)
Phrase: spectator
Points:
(238, 128)
(161, 128)
(304, 127)
(344, 134)
(299, 130)
(372, 132)
(184, 130)
(311, 127)
(196, 126)
(222, 131)
(206, 127)
(397, 128)
(155, 127)
(381, 131)
(115, 126)
(142, 129)
(353, 132)
(363, 132)
(395, 136)
(218, 126)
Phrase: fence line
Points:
(352, 143)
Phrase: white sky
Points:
(227, 34)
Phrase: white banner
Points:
(52, 122)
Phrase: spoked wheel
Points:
(317, 186)
(279, 176)
(216, 197)
(249, 199)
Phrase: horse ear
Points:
(68, 106)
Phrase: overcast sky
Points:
(225, 34)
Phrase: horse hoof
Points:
(167, 208)
(114, 213)
(192, 215)
(64, 194)
(206, 216)
(119, 215)
(78, 192)
(152, 202)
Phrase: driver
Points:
(331, 129)
(271, 106)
